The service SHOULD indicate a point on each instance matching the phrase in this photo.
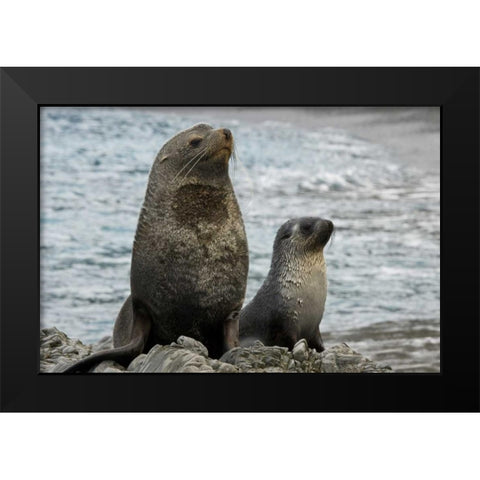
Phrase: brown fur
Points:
(190, 254)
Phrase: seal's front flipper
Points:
(230, 331)
(122, 355)
(316, 342)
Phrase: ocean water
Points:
(383, 263)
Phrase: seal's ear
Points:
(285, 231)
(163, 158)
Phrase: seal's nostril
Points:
(227, 133)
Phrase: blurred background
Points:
(373, 171)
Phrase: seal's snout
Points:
(227, 133)
(325, 229)
(223, 141)
(329, 225)
(324, 224)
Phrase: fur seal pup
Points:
(290, 303)
(190, 254)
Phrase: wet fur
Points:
(190, 253)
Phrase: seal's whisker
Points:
(193, 166)
(189, 163)
(332, 237)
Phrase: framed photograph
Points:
(239, 239)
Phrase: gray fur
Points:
(190, 253)
(290, 303)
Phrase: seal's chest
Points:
(194, 204)
(308, 294)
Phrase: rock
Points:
(108, 366)
(192, 345)
(257, 358)
(112, 370)
(221, 367)
(57, 350)
(291, 365)
(316, 362)
(300, 350)
(187, 355)
(106, 343)
(55, 368)
(137, 363)
(342, 359)
(69, 349)
(174, 359)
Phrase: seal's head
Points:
(198, 152)
(303, 236)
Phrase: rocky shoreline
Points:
(187, 355)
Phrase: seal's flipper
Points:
(122, 355)
(316, 342)
(283, 333)
(230, 331)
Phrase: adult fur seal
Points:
(190, 255)
(290, 303)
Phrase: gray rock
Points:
(300, 350)
(106, 343)
(112, 370)
(190, 356)
(192, 345)
(174, 359)
(257, 358)
(273, 370)
(108, 366)
(137, 363)
(291, 365)
(55, 368)
(328, 362)
(57, 350)
(316, 362)
(342, 359)
(69, 349)
(221, 367)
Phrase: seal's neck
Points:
(164, 185)
(290, 269)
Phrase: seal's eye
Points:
(195, 141)
(306, 228)
(286, 235)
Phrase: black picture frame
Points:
(25, 90)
